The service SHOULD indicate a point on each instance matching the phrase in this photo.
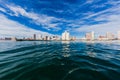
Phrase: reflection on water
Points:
(66, 60)
(65, 48)
(90, 49)
(65, 42)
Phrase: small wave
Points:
(60, 61)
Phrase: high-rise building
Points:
(34, 36)
(89, 36)
(46, 38)
(66, 36)
(93, 35)
(13, 38)
(118, 35)
(109, 36)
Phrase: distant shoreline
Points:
(66, 40)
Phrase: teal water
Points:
(52, 60)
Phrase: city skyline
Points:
(49, 18)
(66, 36)
(59, 39)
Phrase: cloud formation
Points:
(77, 16)
(39, 19)
(9, 28)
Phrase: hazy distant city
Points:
(65, 36)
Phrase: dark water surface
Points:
(42, 60)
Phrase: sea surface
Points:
(59, 60)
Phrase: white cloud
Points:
(112, 16)
(113, 10)
(11, 28)
(98, 6)
(100, 29)
(113, 2)
(2, 9)
(39, 19)
(89, 1)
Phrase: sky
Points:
(21, 18)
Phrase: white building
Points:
(66, 36)
(13, 38)
(93, 35)
(89, 36)
(118, 35)
(109, 36)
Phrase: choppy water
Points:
(59, 60)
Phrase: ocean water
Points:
(57, 60)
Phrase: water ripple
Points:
(59, 61)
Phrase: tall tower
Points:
(66, 36)
(92, 35)
(34, 36)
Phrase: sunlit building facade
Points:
(13, 38)
(109, 36)
(66, 35)
(89, 36)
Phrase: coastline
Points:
(18, 40)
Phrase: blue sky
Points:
(52, 17)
